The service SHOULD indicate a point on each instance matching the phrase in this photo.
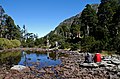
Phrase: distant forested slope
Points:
(96, 28)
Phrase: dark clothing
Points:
(88, 58)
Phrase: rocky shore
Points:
(69, 69)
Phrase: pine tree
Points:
(88, 21)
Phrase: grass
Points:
(106, 53)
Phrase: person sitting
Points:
(88, 58)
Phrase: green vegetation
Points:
(10, 58)
(96, 28)
(11, 35)
(6, 44)
(16, 43)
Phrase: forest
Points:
(96, 28)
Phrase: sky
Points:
(42, 16)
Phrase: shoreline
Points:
(69, 68)
(35, 49)
(24, 49)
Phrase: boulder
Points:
(18, 67)
(118, 67)
(89, 65)
(106, 63)
(115, 61)
(107, 59)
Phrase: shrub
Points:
(16, 43)
(65, 46)
(75, 46)
(5, 43)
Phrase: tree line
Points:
(12, 35)
(95, 29)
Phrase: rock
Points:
(118, 73)
(119, 67)
(107, 59)
(89, 65)
(2, 76)
(110, 65)
(18, 67)
(27, 69)
(66, 73)
(115, 61)
(42, 71)
(67, 67)
(49, 71)
(105, 64)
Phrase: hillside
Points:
(63, 30)
(68, 22)
(94, 29)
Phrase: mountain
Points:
(66, 30)
(68, 22)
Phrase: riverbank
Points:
(23, 49)
(31, 49)
(69, 69)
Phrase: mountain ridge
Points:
(69, 21)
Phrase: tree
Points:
(75, 30)
(1, 20)
(88, 21)
(88, 43)
(115, 27)
(13, 31)
(106, 10)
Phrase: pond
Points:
(37, 59)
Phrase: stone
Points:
(118, 66)
(115, 61)
(42, 71)
(67, 67)
(110, 65)
(118, 73)
(107, 59)
(18, 67)
(107, 65)
(89, 65)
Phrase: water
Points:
(37, 59)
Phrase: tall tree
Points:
(106, 10)
(88, 21)
(75, 30)
(13, 31)
(1, 20)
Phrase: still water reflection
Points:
(38, 59)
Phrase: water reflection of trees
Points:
(51, 55)
(10, 58)
(54, 55)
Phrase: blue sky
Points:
(42, 16)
